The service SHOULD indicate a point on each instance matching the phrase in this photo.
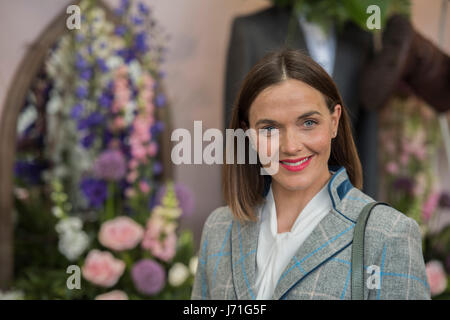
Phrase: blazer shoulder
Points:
(385, 219)
(218, 217)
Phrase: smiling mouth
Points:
(297, 163)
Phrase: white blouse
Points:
(276, 249)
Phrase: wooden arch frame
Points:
(15, 98)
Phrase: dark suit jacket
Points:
(257, 34)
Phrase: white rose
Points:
(73, 244)
(178, 274)
(193, 264)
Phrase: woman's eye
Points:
(268, 129)
(312, 123)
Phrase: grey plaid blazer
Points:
(321, 267)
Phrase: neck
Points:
(289, 203)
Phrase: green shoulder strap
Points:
(357, 265)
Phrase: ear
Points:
(335, 116)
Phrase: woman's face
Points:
(305, 129)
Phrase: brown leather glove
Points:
(407, 56)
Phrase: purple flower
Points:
(405, 184)
(29, 171)
(120, 30)
(95, 191)
(81, 92)
(184, 196)
(79, 37)
(157, 168)
(105, 100)
(140, 42)
(143, 8)
(80, 62)
(148, 276)
(87, 141)
(137, 21)
(77, 111)
(110, 165)
(102, 65)
(160, 100)
(86, 74)
(93, 119)
(157, 128)
(444, 200)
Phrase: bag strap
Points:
(357, 265)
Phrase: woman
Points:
(289, 235)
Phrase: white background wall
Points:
(195, 65)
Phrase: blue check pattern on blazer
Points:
(321, 267)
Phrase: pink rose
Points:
(436, 277)
(101, 268)
(160, 239)
(152, 149)
(112, 295)
(145, 188)
(392, 167)
(430, 205)
(121, 233)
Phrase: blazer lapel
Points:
(333, 234)
(244, 241)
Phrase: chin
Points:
(294, 183)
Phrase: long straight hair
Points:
(242, 184)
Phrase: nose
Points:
(291, 142)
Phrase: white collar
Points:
(320, 203)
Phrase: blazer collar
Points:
(333, 234)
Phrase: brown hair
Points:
(242, 184)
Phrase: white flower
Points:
(135, 71)
(178, 274)
(58, 213)
(70, 224)
(11, 295)
(114, 62)
(73, 244)
(193, 264)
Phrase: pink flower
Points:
(392, 167)
(121, 233)
(436, 276)
(152, 149)
(138, 152)
(112, 295)
(132, 176)
(102, 269)
(119, 123)
(145, 188)
(160, 238)
(404, 158)
(430, 205)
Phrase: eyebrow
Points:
(305, 115)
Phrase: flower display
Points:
(409, 140)
(436, 276)
(97, 168)
(148, 276)
(121, 233)
(101, 268)
(112, 295)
